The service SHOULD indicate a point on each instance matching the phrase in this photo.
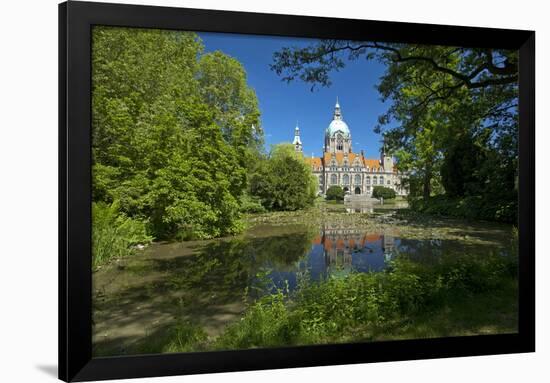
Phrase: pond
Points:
(211, 282)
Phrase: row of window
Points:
(346, 180)
(347, 169)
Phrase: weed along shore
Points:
(334, 272)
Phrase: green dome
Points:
(338, 126)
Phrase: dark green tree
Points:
(335, 193)
(383, 192)
(460, 169)
(284, 181)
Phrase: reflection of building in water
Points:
(388, 247)
(340, 244)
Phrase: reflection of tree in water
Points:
(202, 283)
(231, 266)
(437, 251)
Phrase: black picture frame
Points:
(75, 283)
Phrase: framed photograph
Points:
(245, 191)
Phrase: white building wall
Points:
(367, 183)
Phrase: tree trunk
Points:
(427, 184)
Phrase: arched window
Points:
(381, 180)
(358, 179)
(346, 179)
(339, 143)
(333, 179)
(368, 180)
(374, 180)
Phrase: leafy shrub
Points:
(268, 322)
(250, 204)
(114, 234)
(335, 193)
(383, 192)
(284, 181)
(471, 207)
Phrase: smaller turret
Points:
(297, 141)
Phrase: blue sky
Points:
(282, 104)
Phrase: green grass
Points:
(494, 313)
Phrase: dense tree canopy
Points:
(173, 128)
(452, 120)
(283, 181)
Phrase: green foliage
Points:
(250, 204)
(113, 234)
(383, 192)
(173, 131)
(267, 323)
(284, 181)
(185, 337)
(335, 193)
(459, 171)
(471, 207)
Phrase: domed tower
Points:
(337, 135)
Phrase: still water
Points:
(209, 282)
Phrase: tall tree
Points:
(165, 145)
(284, 181)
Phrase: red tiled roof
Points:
(372, 163)
(315, 162)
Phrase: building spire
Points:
(337, 111)
(297, 141)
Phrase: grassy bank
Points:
(114, 235)
(454, 296)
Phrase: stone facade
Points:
(339, 165)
